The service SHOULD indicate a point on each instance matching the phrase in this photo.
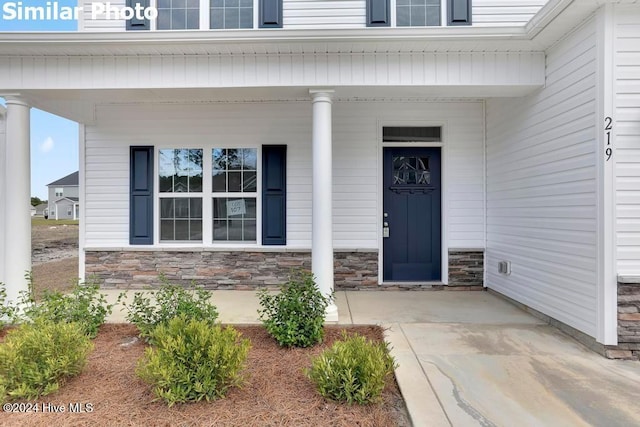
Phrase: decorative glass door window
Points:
(234, 183)
(180, 180)
(411, 170)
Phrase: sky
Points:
(54, 140)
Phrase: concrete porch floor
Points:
(473, 359)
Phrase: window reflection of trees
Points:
(181, 170)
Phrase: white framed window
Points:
(59, 191)
(208, 195)
(234, 194)
(205, 14)
(418, 13)
(178, 15)
(231, 14)
(180, 191)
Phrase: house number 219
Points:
(608, 121)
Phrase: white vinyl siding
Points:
(346, 14)
(541, 188)
(324, 13)
(356, 161)
(627, 137)
(504, 12)
(100, 24)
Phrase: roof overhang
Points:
(546, 27)
(65, 91)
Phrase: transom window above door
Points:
(402, 134)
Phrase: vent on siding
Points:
(411, 134)
(504, 267)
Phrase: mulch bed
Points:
(276, 392)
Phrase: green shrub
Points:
(295, 316)
(170, 301)
(193, 360)
(352, 370)
(7, 310)
(85, 305)
(36, 357)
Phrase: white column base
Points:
(331, 313)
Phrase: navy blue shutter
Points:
(134, 23)
(378, 13)
(270, 14)
(459, 12)
(141, 196)
(274, 194)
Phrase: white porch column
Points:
(3, 180)
(322, 210)
(17, 182)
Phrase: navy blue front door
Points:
(412, 214)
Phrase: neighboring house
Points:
(64, 198)
(41, 209)
(449, 143)
(32, 210)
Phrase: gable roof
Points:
(71, 179)
(71, 199)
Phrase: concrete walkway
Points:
(473, 359)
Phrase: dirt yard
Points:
(54, 254)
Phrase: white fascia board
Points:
(246, 41)
(265, 35)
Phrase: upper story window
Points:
(231, 14)
(59, 191)
(209, 14)
(178, 15)
(418, 13)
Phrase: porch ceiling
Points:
(80, 105)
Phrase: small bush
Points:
(352, 370)
(36, 357)
(193, 360)
(7, 310)
(170, 301)
(295, 316)
(85, 305)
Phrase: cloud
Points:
(47, 145)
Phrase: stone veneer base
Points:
(628, 319)
(250, 269)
